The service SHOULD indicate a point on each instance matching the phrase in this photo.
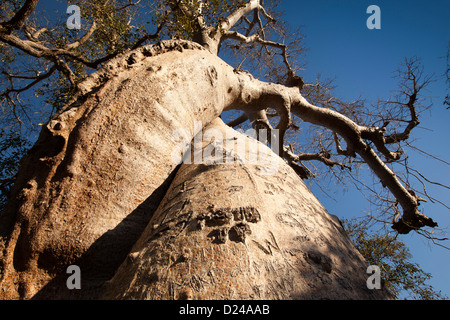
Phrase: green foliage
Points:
(58, 92)
(182, 21)
(12, 148)
(114, 31)
(9, 7)
(402, 276)
(6, 54)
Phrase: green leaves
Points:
(184, 15)
(12, 148)
(114, 32)
(402, 276)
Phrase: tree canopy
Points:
(401, 276)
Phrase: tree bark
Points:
(101, 166)
(87, 190)
(241, 231)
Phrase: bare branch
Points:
(414, 122)
(429, 236)
(349, 152)
(151, 36)
(283, 98)
(301, 171)
(256, 19)
(18, 21)
(40, 51)
(32, 34)
(241, 119)
(83, 39)
(128, 5)
(62, 66)
(323, 157)
(255, 38)
(259, 120)
(235, 16)
(351, 132)
(36, 79)
(411, 80)
(426, 153)
(376, 135)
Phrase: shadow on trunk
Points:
(96, 264)
(229, 231)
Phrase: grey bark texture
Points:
(87, 190)
(238, 231)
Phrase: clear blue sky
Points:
(362, 60)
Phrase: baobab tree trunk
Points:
(87, 190)
(235, 230)
(101, 165)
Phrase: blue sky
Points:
(362, 61)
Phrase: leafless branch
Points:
(129, 5)
(150, 36)
(352, 133)
(323, 157)
(339, 149)
(35, 79)
(236, 15)
(426, 153)
(32, 34)
(241, 119)
(255, 38)
(83, 39)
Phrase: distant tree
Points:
(402, 277)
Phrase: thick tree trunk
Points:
(241, 231)
(87, 190)
(101, 166)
